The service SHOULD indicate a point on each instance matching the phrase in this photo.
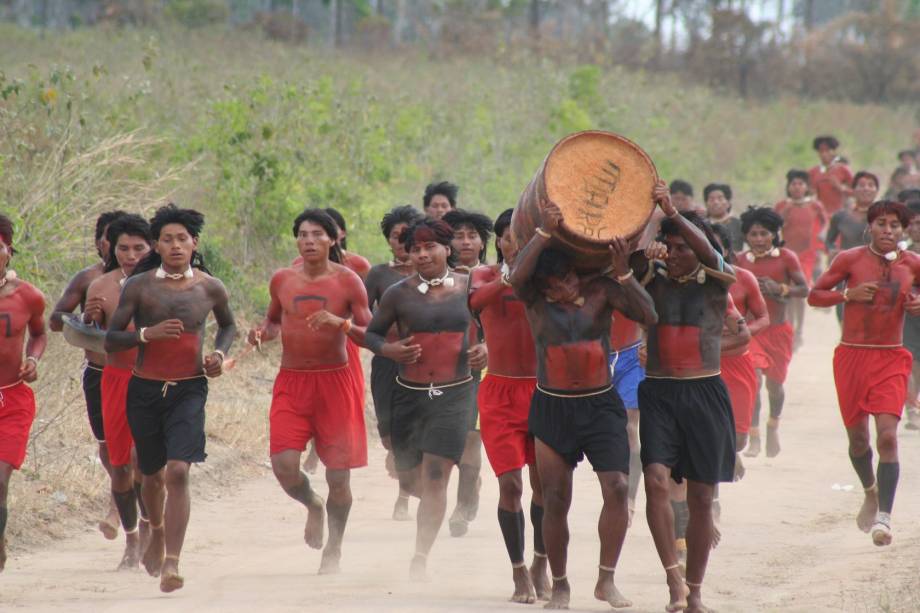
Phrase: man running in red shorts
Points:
(384, 370)
(129, 237)
(22, 309)
(75, 296)
(780, 278)
(575, 410)
(472, 232)
(870, 365)
(433, 398)
(687, 429)
(169, 298)
(315, 309)
(504, 403)
(832, 178)
(804, 221)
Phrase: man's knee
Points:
(699, 496)
(615, 488)
(657, 483)
(858, 442)
(887, 442)
(177, 475)
(339, 482)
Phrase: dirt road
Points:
(789, 540)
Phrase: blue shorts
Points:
(627, 374)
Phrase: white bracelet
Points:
(140, 335)
(32, 358)
(625, 277)
(221, 354)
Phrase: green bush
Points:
(198, 13)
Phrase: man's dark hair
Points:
(725, 188)
(725, 239)
(794, 174)
(551, 263)
(340, 222)
(865, 174)
(130, 224)
(190, 219)
(479, 222)
(909, 195)
(502, 224)
(425, 230)
(6, 231)
(763, 216)
(906, 152)
(669, 227)
(680, 186)
(327, 223)
(889, 207)
(406, 214)
(445, 188)
(830, 141)
(105, 219)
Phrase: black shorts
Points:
(579, 426)
(428, 422)
(383, 382)
(167, 421)
(92, 391)
(687, 425)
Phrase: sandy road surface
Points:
(790, 541)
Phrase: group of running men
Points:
(542, 362)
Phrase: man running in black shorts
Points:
(384, 370)
(687, 428)
(169, 297)
(431, 403)
(575, 411)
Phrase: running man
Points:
(871, 367)
(575, 410)
(504, 404)
(434, 392)
(384, 370)
(168, 298)
(627, 373)
(912, 324)
(687, 429)
(832, 178)
(22, 311)
(718, 198)
(780, 278)
(315, 309)
(129, 237)
(439, 198)
(75, 296)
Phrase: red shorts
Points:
(118, 437)
(320, 405)
(870, 381)
(741, 380)
(17, 411)
(504, 404)
(357, 371)
(771, 349)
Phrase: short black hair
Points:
(725, 239)
(909, 152)
(794, 174)
(340, 222)
(105, 219)
(680, 186)
(725, 188)
(865, 174)
(479, 222)
(551, 263)
(130, 224)
(323, 219)
(763, 216)
(406, 214)
(190, 219)
(889, 207)
(909, 195)
(502, 223)
(669, 227)
(425, 230)
(6, 230)
(445, 188)
(826, 139)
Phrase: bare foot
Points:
(170, 579)
(418, 569)
(679, 592)
(607, 591)
(753, 449)
(881, 530)
(866, 516)
(132, 556)
(695, 603)
(773, 447)
(2, 554)
(458, 524)
(108, 529)
(316, 518)
(716, 535)
(330, 562)
(539, 577)
(524, 591)
(401, 509)
(739, 468)
(155, 552)
(559, 599)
